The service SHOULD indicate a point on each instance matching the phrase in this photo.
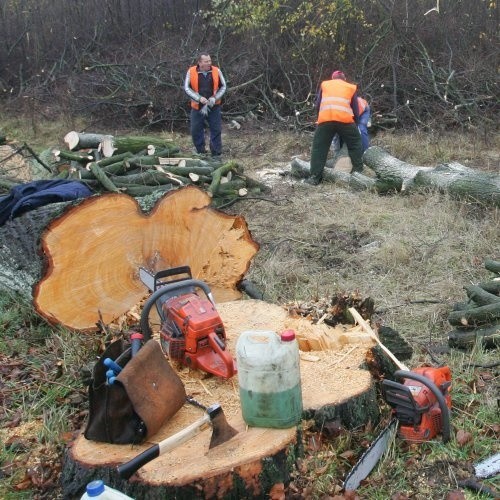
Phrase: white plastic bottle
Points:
(269, 378)
(97, 489)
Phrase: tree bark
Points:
(334, 388)
(92, 252)
(111, 145)
(463, 338)
(454, 178)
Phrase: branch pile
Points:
(141, 166)
(478, 319)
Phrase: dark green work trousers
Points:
(323, 136)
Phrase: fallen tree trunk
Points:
(91, 253)
(399, 174)
(301, 169)
(453, 178)
(334, 388)
(396, 175)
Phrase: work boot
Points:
(313, 181)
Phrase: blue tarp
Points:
(31, 195)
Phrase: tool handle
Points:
(128, 468)
(361, 322)
(113, 365)
(136, 342)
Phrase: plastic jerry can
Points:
(97, 489)
(269, 378)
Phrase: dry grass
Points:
(401, 250)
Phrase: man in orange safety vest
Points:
(338, 113)
(205, 85)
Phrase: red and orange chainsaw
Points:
(420, 404)
(191, 329)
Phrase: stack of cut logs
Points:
(478, 319)
(139, 166)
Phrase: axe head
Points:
(221, 430)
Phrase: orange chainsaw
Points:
(420, 404)
(191, 329)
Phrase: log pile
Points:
(141, 166)
(478, 318)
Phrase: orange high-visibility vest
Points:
(335, 104)
(193, 79)
(362, 105)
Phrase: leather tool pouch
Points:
(146, 393)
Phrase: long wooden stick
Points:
(367, 328)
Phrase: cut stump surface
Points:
(334, 387)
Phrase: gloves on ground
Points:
(211, 102)
(204, 110)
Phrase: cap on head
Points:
(338, 74)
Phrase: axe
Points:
(221, 432)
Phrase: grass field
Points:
(412, 254)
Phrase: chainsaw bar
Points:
(488, 467)
(370, 457)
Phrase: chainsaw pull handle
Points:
(169, 288)
(445, 411)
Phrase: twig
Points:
(37, 158)
(479, 487)
(206, 388)
(337, 361)
(244, 198)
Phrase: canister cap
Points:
(95, 488)
(287, 335)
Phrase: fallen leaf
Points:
(463, 437)
(399, 496)
(348, 454)
(277, 492)
(321, 470)
(455, 495)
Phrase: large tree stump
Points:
(92, 251)
(334, 387)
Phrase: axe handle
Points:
(128, 468)
(363, 324)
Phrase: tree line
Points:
(420, 63)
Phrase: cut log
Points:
(460, 182)
(394, 172)
(453, 178)
(492, 265)
(334, 387)
(475, 316)
(462, 338)
(111, 145)
(301, 169)
(93, 251)
(480, 296)
(76, 140)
